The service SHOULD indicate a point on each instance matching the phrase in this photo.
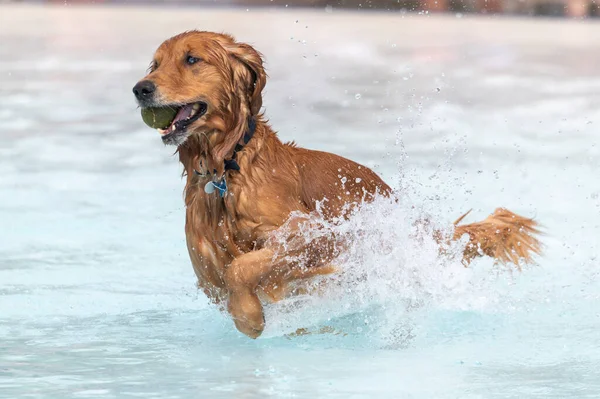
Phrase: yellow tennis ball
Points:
(158, 118)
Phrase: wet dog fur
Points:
(229, 238)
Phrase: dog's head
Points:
(212, 84)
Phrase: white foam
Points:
(390, 270)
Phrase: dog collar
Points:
(230, 164)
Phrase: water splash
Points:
(391, 270)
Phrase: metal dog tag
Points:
(209, 187)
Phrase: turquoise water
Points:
(97, 296)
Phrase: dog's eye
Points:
(190, 60)
(153, 66)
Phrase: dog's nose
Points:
(144, 90)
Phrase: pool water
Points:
(97, 294)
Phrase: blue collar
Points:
(230, 164)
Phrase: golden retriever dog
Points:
(243, 182)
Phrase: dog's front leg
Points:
(299, 259)
(242, 278)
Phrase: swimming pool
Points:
(97, 295)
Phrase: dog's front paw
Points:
(247, 313)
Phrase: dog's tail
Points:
(504, 235)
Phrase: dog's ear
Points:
(252, 62)
(246, 98)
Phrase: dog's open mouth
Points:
(183, 118)
(172, 121)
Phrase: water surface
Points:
(97, 295)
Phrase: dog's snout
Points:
(144, 90)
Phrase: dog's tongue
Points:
(183, 113)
